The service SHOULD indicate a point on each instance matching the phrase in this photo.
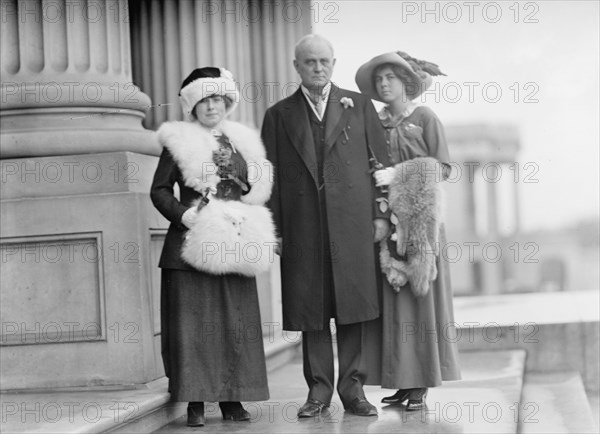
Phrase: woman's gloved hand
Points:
(384, 177)
(189, 217)
(381, 227)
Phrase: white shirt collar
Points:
(324, 97)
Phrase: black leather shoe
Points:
(195, 414)
(234, 411)
(416, 399)
(362, 407)
(397, 398)
(311, 408)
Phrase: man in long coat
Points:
(320, 140)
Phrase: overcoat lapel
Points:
(298, 128)
(336, 117)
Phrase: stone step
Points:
(278, 352)
(89, 411)
(139, 409)
(485, 401)
(559, 331)
(555, 403)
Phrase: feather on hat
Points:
(418, 73)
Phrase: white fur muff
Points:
(231, 237)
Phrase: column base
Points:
(80, 283)
(39, 132)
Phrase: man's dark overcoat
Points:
(350, 207)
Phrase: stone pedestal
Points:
(80, 285)
(79, 249)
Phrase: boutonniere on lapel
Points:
(347, 102)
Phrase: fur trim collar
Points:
(192, 145)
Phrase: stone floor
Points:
(485, 401)
(490, 398)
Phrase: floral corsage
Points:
(347, 102)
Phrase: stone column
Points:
(66, 80)
(517, 212)
(79, 307)
(492, 248)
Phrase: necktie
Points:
(319, 105)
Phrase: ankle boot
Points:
(233, 410)
(416, 399)
(397, 398)
(195, 414)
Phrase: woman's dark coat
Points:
(211, 330)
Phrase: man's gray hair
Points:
(309, 38)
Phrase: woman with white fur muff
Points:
(219, 238)
(414, 342)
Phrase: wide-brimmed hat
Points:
(416, 81)
(205, 82)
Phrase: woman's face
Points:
(210, 111)
(389, 87)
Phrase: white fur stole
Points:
(227, 236)
(192, 146)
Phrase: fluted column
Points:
(254, 39)
(66, 80)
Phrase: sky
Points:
(543, 58)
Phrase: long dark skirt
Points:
(212, 345)
(414, 343)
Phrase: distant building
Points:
(481, 204)
(488, 251)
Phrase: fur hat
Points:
(205, 82)
(418, 74)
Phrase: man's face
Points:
(314, 64)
